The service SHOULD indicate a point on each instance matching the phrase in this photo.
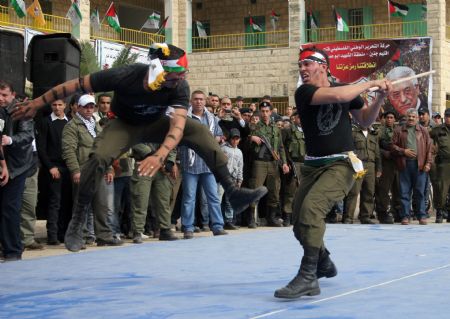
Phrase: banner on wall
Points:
(107, 53)
(361, 61)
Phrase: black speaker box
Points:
(52, 59)
(12, 67)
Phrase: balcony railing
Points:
(126, 36)
(369, 31)
(239, 41)
(53, 24)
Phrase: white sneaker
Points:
(144, 236)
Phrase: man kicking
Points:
(150, 102)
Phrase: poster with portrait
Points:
(360, 61)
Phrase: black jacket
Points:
(19, 155)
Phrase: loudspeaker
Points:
(12, 67)
(52, 59)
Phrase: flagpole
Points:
(107, 12)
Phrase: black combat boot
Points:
(287, 219)
(325, 266)
(439, 216)
(305, 283)
(240, 198)
(272, 219)
(251, 222)
(73, 239)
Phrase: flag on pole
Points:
(95, 20)
(162, 29)
(255, 27)
(153, 21)
(312, 21)
(74, 13)
(113, 18)
(35, 11)
(201, 30)
(397, 9)
(340, 23)
(19, 7)
(274, 17)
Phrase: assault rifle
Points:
(293, 169)
(275, 154)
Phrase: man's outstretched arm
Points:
(150, 165)
(28, 109)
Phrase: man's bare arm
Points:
(368, 114)
(28, 109)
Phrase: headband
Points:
(313, 56)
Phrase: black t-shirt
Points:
(132, 103)
(327, 127)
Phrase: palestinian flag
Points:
(312, 21)
(95, 20)
(74, 13)
(152, 21)
(113, 18)
(201, 30)
(397, 9)
(255, 27)
(162, 29)
(19, 7)
(340, 23)
(274, 17)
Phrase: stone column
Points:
(436, 30)
(84, 28)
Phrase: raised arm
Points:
(28, 108)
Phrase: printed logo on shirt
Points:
(328, 117)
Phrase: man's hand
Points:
(378, 174)
(174, 172)
(6, 140)
(427, 168)
(76, 178)
(54, 171)
(4, 175)
(149, 166)
(256, 139)
(285, 168)
(25, 110)
(410, 153)
(382, 86)
(109, 177)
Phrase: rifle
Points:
(275, 155)
(294, 171)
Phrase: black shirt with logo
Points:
(327, 127)
(132, 102)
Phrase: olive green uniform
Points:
(441, 138)
(388, 182)
(294, 142)
(154, 191)
(265, 167)
(368, 151)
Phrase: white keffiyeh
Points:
(90, 125)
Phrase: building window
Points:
(356, 19)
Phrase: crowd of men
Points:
(405, 160)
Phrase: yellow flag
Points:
(35, 11)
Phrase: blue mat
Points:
(384, 271)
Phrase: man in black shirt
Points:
(143, 95)
(329, 168)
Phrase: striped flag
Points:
(113, 18)
(255, 27)
(341, 25)
(95, 20)
(162, 29)
(35, 11)
(397, 9)
(19, 7)
(153, 21)
(312, 21)
(74, 13)
(274, 17)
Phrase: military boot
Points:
(73, 239)
(439, 216)
(241, 198)
(272, 219)
(251, 222)
(385, 218)
(305, 283)
(325, 266)
(287, 219)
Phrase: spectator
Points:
(411, 146)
